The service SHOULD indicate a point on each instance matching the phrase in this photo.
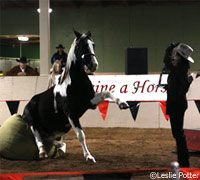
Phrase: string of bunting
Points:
(103, 108)
(134, 107)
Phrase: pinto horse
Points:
(53, 112)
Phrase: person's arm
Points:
(52, 59)
(65, 57)
(184, 80)
(12, 72)
(31, 72)
(167, 58)
(36, 72)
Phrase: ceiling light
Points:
(23, 38)
(50, 10)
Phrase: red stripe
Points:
(87, 172)
(12, 100)
(19, 176)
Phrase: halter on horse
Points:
(53, 112)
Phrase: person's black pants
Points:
(176, 120)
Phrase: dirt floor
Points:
(113, 148)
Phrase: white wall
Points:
(149, 114)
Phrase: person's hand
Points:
(21, 74)
(174, 44)
(171, 47)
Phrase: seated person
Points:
(55, 73)
(22, 69)
(60, 55)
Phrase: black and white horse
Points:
(53, 112)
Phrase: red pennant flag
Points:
(163, 107)
(103, 108)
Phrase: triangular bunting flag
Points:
(198, 105)
(13, 106)
(134, 107)
(103, 108)
(163, 107)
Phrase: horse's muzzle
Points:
(94, 67)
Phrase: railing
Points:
(6, 63)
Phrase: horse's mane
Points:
(65, 76)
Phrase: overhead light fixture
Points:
(50, 10)
(23, 38)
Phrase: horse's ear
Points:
(89, 34)
(78, 35)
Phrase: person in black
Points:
(59, 55)
(176, 60)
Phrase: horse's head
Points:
(85, 50)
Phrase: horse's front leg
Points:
(39, 143)
(81, 137)
(99, 97)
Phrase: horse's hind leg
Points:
(28, 116)
(99, 97)
(39, 143)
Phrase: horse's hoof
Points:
(123, 105)
(43, 155)
(90, 159)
